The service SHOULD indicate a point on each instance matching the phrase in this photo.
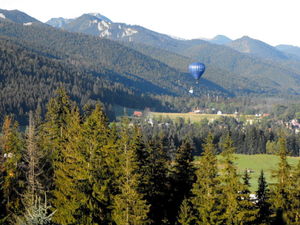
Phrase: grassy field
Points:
(256, 163)
(194, 117)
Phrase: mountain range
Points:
(240, 66)
(121, 64)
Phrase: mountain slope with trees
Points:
(256, 48)
(96, 53)
(36, 59)
(28, 80)
(128, 73)
(17, 17)
(264, 70)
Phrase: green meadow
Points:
(256, 163)
(195, 117)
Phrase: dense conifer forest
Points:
(74, 167)
(28, 79)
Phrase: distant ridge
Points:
(220, 40)
(256, 48)
(17, 16)
(290, 49)
(58, 22)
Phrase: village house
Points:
(137, 113)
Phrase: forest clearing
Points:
(197, 117)
(255, 163)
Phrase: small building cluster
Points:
(137, 113)
(294, 125)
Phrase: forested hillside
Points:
(80, 57)
(243, 67)
(18, 17)
(96, 53)
(28, 79)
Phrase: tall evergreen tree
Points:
(247, 209)
(290, 212)
(205, 199)
(52, 134)
(295, 196)
(282, 189)
(129, 206)
(153, 167)
(183, 176)
(70, 174)
(2, 208)
(263, 201)
(232, 212)
(101, 156)
(11, 173)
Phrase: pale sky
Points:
(272, 21)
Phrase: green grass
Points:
(194, 117)
(256, 163)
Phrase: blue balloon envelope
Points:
(197, 69)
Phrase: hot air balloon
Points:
(197, 69)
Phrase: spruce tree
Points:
(186, 215)
(183, 176)
(70, 174)
(292, 213)
(282, 189)
(129, 206)
(11, 173)
(99, 149)
(247, 210)
(205, 199)
(231, 186)
(52, 140)
(52, 134)
(263, 201)
(153, 167)
(2, 207)
(295, 196)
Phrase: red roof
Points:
(137, 113)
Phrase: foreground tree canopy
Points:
(73, 167)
